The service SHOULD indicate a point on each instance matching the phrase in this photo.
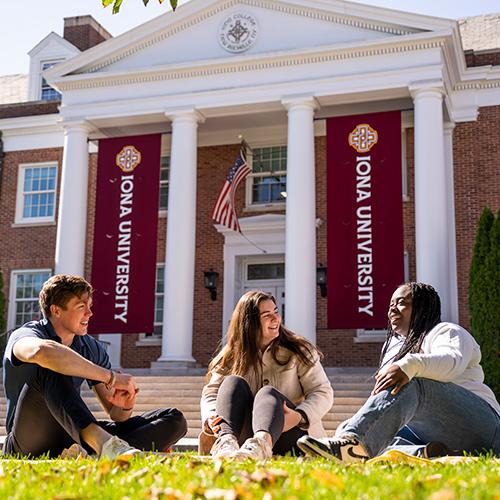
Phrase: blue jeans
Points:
(433, 411)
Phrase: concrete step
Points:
(351, 389)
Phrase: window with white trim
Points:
(36, 193)
(267, 183)
(404, 166)
(159, 297)
(47, 92)
(164, 181)
(24, 290)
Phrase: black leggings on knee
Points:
(243, 414)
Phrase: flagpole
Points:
(247, 147)
(252, 243)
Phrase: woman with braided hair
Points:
(429, 382)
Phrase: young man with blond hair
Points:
(45, 363)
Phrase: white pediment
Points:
(273, 31)
(192, 33)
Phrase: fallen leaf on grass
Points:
(444, 494)
(399, 457)
(104, 468)
(455, 460)
(123, 461)
(326, 478)
(431, 479)
(263, 477)
(194, 462)
(220, 493)
(137, 474)
(164, 494)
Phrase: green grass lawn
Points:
(186, 477)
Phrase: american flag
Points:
(224, 211)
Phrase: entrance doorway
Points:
(266, 273)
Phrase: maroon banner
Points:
(365, 218)
(125, 234)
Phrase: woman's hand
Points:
(292, 418)
(392, 376)
(212, 425)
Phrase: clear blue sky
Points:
(25, 22)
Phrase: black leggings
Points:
(243, 414)
(50, 414)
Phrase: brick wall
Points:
(30, 108)
(482, 58)
(477, 184)
(26, 247)
(476, 152)
(84, 32)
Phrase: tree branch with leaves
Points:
(118, 3)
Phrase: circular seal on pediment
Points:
(238, 32)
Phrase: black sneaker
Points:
(437, 449)
(340, 449)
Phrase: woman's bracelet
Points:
(112, 380)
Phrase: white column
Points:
(72, 218)
(181, 231)
(452, 241)
(300, 240)
(431, 201)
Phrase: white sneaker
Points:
(116, 447)
(74, 451)
(224, 446)
(254, 448)
(341, 449)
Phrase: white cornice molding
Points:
(30, 122)
(478, 85)
(255, 63)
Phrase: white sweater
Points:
(450, 354)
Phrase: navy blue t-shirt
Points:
(16, 373)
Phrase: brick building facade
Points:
(33, 137)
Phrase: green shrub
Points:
(3, 322)
(484, 295)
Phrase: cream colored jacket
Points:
(307, 387)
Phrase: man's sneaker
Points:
(74, 451)
(224, 446)
(437, 449)
(116, 447)
(254, 448)
(340, 449)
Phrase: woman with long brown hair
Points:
(266, 387)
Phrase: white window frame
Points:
(145, 339)
(52, 63)
(20, 219)
(404, 167)
(163, 210)
(11, 315)
(372, 335)
(249, 204)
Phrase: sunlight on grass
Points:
(187, 477)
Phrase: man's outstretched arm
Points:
(61, 359)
